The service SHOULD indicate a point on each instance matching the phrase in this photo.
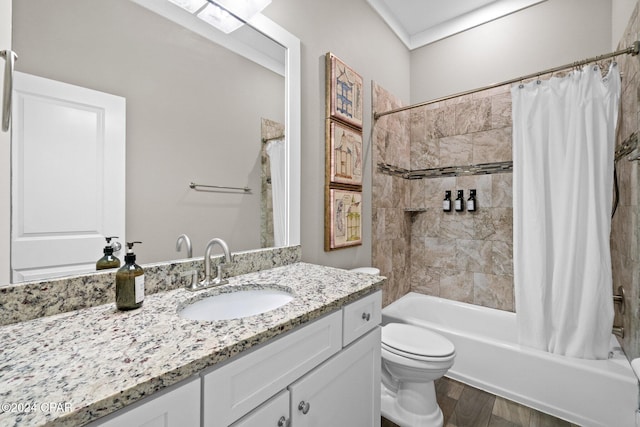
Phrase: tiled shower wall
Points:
(464, 256)
(468, 256)
(457, 255)
(391, 228)
(625, 236)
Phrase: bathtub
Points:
(488, 357)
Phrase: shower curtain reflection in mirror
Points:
(277, 159)
(274, 156)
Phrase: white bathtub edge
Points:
(619, 384)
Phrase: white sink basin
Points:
(236, 304)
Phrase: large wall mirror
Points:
(196, 101)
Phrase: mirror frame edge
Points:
(292, 119)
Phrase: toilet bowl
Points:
(412, 359)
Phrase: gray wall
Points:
(194, 113)
(358, 36)
(620, 12)
(549, 34)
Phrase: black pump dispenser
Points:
(108, 260)
(130, 282)
(446, 203)
(459, 202)
(130, 257)
(471, 202)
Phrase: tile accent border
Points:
(478, 169)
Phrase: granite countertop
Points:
(72, 368)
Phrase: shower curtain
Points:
(563, 147)
(276, 153)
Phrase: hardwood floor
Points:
(465, 406)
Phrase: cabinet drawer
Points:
(361, 316)
(234, 389)
(273, 413)
(177, 406)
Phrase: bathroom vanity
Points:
(313, 361)
(314, 375)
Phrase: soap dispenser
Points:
(446, 203)
(471, 202)
(108, 260)
(129, 282)
(459, 202)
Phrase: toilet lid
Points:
(416, 340)
(368, 270)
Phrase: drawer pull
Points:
(366, 316)
(283, 421)
(304, 407)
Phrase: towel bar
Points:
(194, 186)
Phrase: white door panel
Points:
(68, 176)
(5, 154)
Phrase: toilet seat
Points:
(416, 343)
(368, 270)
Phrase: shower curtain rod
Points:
(633, 50)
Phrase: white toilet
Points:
(368, 270)
(412, 359)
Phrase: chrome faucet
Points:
(208, 281)
(187, 241)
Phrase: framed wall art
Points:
(343, 219)
(343, 153)
(344, 92)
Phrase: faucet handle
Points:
(220, 280)
(194, 279)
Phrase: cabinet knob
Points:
(304, 407)
(283, 422)
(366, 316)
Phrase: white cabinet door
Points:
(343, 391)
(179, 407)
(235, 389)
(273, 413)
(68, 177)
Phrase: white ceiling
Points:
(420, 22)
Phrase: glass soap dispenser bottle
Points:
(130, 282)
(108, 260)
